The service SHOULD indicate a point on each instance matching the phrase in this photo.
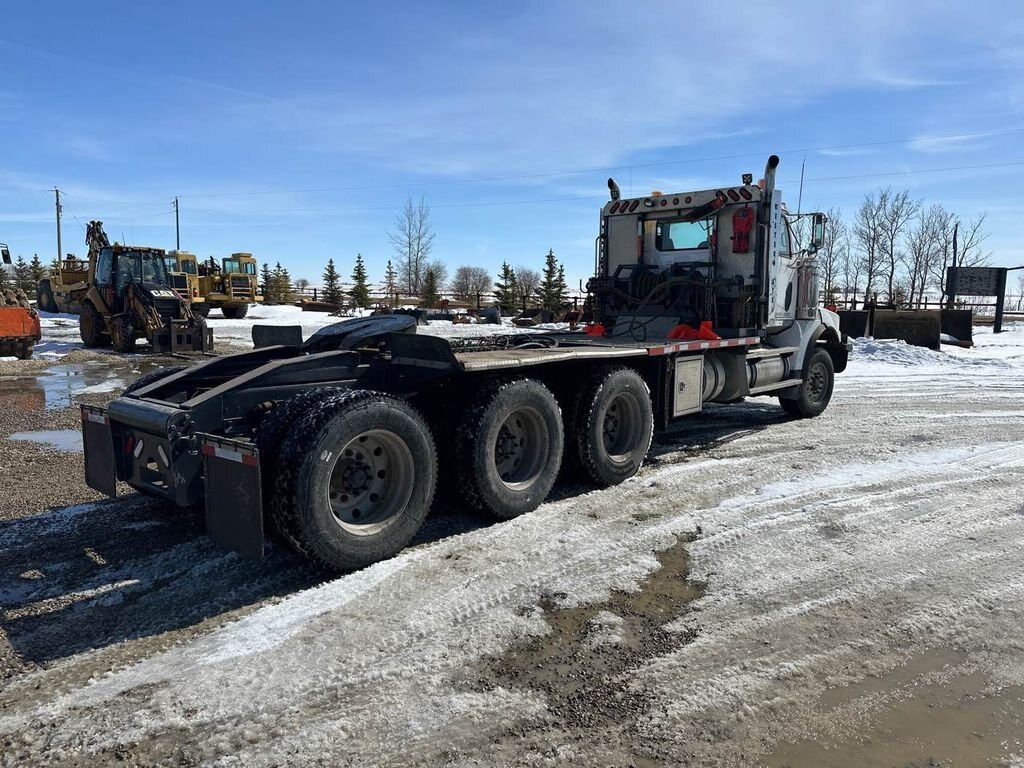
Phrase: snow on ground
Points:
(60, 331)
(832, 550)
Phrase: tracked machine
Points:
(339, 441)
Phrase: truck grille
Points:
(241, 288)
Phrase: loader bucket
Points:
(181, 336)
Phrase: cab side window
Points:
(103, 264)
(785, 244)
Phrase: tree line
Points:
(897, 248)
(415, 273)
(24, 275)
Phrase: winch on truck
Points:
(341, 440)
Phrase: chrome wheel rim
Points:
(371, 482)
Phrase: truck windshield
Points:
(682, 235)
(141, 267)
(231, 265)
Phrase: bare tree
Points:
(830, 255)
(528, 281)
(440, 270)
(867, 233)
(1020, 292)
(470, 282)
(922, 244)
(897, 210)
(850, 268)
(413, 239)
(960, 246)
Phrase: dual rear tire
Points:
(355, 476)
(349, 475)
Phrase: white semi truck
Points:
(340, 441)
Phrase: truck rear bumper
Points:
(223, 474)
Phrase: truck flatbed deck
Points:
(589, 349)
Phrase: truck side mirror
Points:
(5, 254)
(817, 232)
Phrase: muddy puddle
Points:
(582, 667)
(932, 712)
(58, 386)
(69, 440)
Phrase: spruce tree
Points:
(506, 290)
(332, 284)
(550, 297)
(284, 287)
(563, 286)
(55, 266)
(23, 275)
(267, 284)
(428, 290)
(275, 284)
(391, 284)
(360, 293)
(38, 270)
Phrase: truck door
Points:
(782, 272)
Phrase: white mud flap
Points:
(234, 504)
(98, 445)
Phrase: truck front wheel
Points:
(611, 425)
(815, 390)
(356, 478)
(508, 447)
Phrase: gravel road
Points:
(843, 591)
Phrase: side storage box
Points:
(687, 385)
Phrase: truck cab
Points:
(726, 257)
(183, 269)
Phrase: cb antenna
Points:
(800, 197)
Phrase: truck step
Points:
(770, 352)
(784, 384)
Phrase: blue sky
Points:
(297, 130)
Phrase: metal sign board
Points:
(977, 281)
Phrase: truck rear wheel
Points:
(122, 333)
(90, 326)
(356, 478)
(235, 311)
(201, 309)
(508, 447)
(611, 425)
(270, 436)
(815, 390)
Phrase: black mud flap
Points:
(98, 444)
(234, 507)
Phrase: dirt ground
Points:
(846, 591)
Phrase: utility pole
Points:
(177, 229)
(59, 247)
